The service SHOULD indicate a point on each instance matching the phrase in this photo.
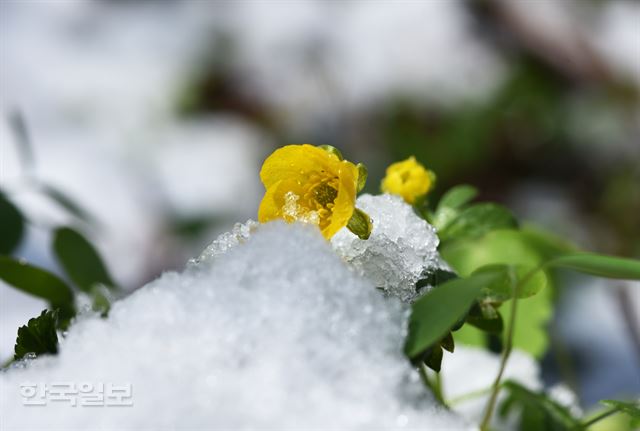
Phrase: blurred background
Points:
(144, 124)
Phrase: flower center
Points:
(324, 194)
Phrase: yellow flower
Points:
(408, 179)
(310, 184)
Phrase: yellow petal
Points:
(344, 203)
(269, 207)
(297, 161)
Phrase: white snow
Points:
(277, 333)
(401, 250)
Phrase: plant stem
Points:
(599, 417)
(469, 396)
(508, 345)
(434, 387)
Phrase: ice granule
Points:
(275, 333)
(401, 250)
(226, 241)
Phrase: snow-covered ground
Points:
(276, 332)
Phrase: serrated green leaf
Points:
(360, 224)
(434, 314)
(41, 283)
(632, 409)
(38, 336)
(11, 225)
(80, 260)
(477, 220)
(599, 265)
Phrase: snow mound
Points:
(275, 333)
(240, 233)
(401, 250)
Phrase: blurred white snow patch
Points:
(470, 370)
(401, 250)
(617, 36)
(334, 55)
(277, 333)
(209, 165)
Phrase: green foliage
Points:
(631, 409)
(531, 281)
(507, 247)
(11, 225)
(80, 260)
(536, 410)
(450, 204)
(437, 312)
(477, 220)
(38, 336)
(599, 265)
(363, 174)
(360, 224)
(40, 283)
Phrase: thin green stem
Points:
(434, 386)
(508, 345)
(599, 417)
(469, 396)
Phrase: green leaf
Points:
(434, 314)
(478, 320)
(450, 205)
(360, 224)
(363, 173)
(433, 359)
(11, 226)
(68, 204)
(38, 336)
(477, 220)
(457, 197)
(35, 281)
(447, 343)
(632, 409)
(536, 410)
(80, 260)
(546, 244)
(599, 265)
(502, 290)
(506, 247)
(101, 300)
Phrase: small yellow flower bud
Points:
(408, 179)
